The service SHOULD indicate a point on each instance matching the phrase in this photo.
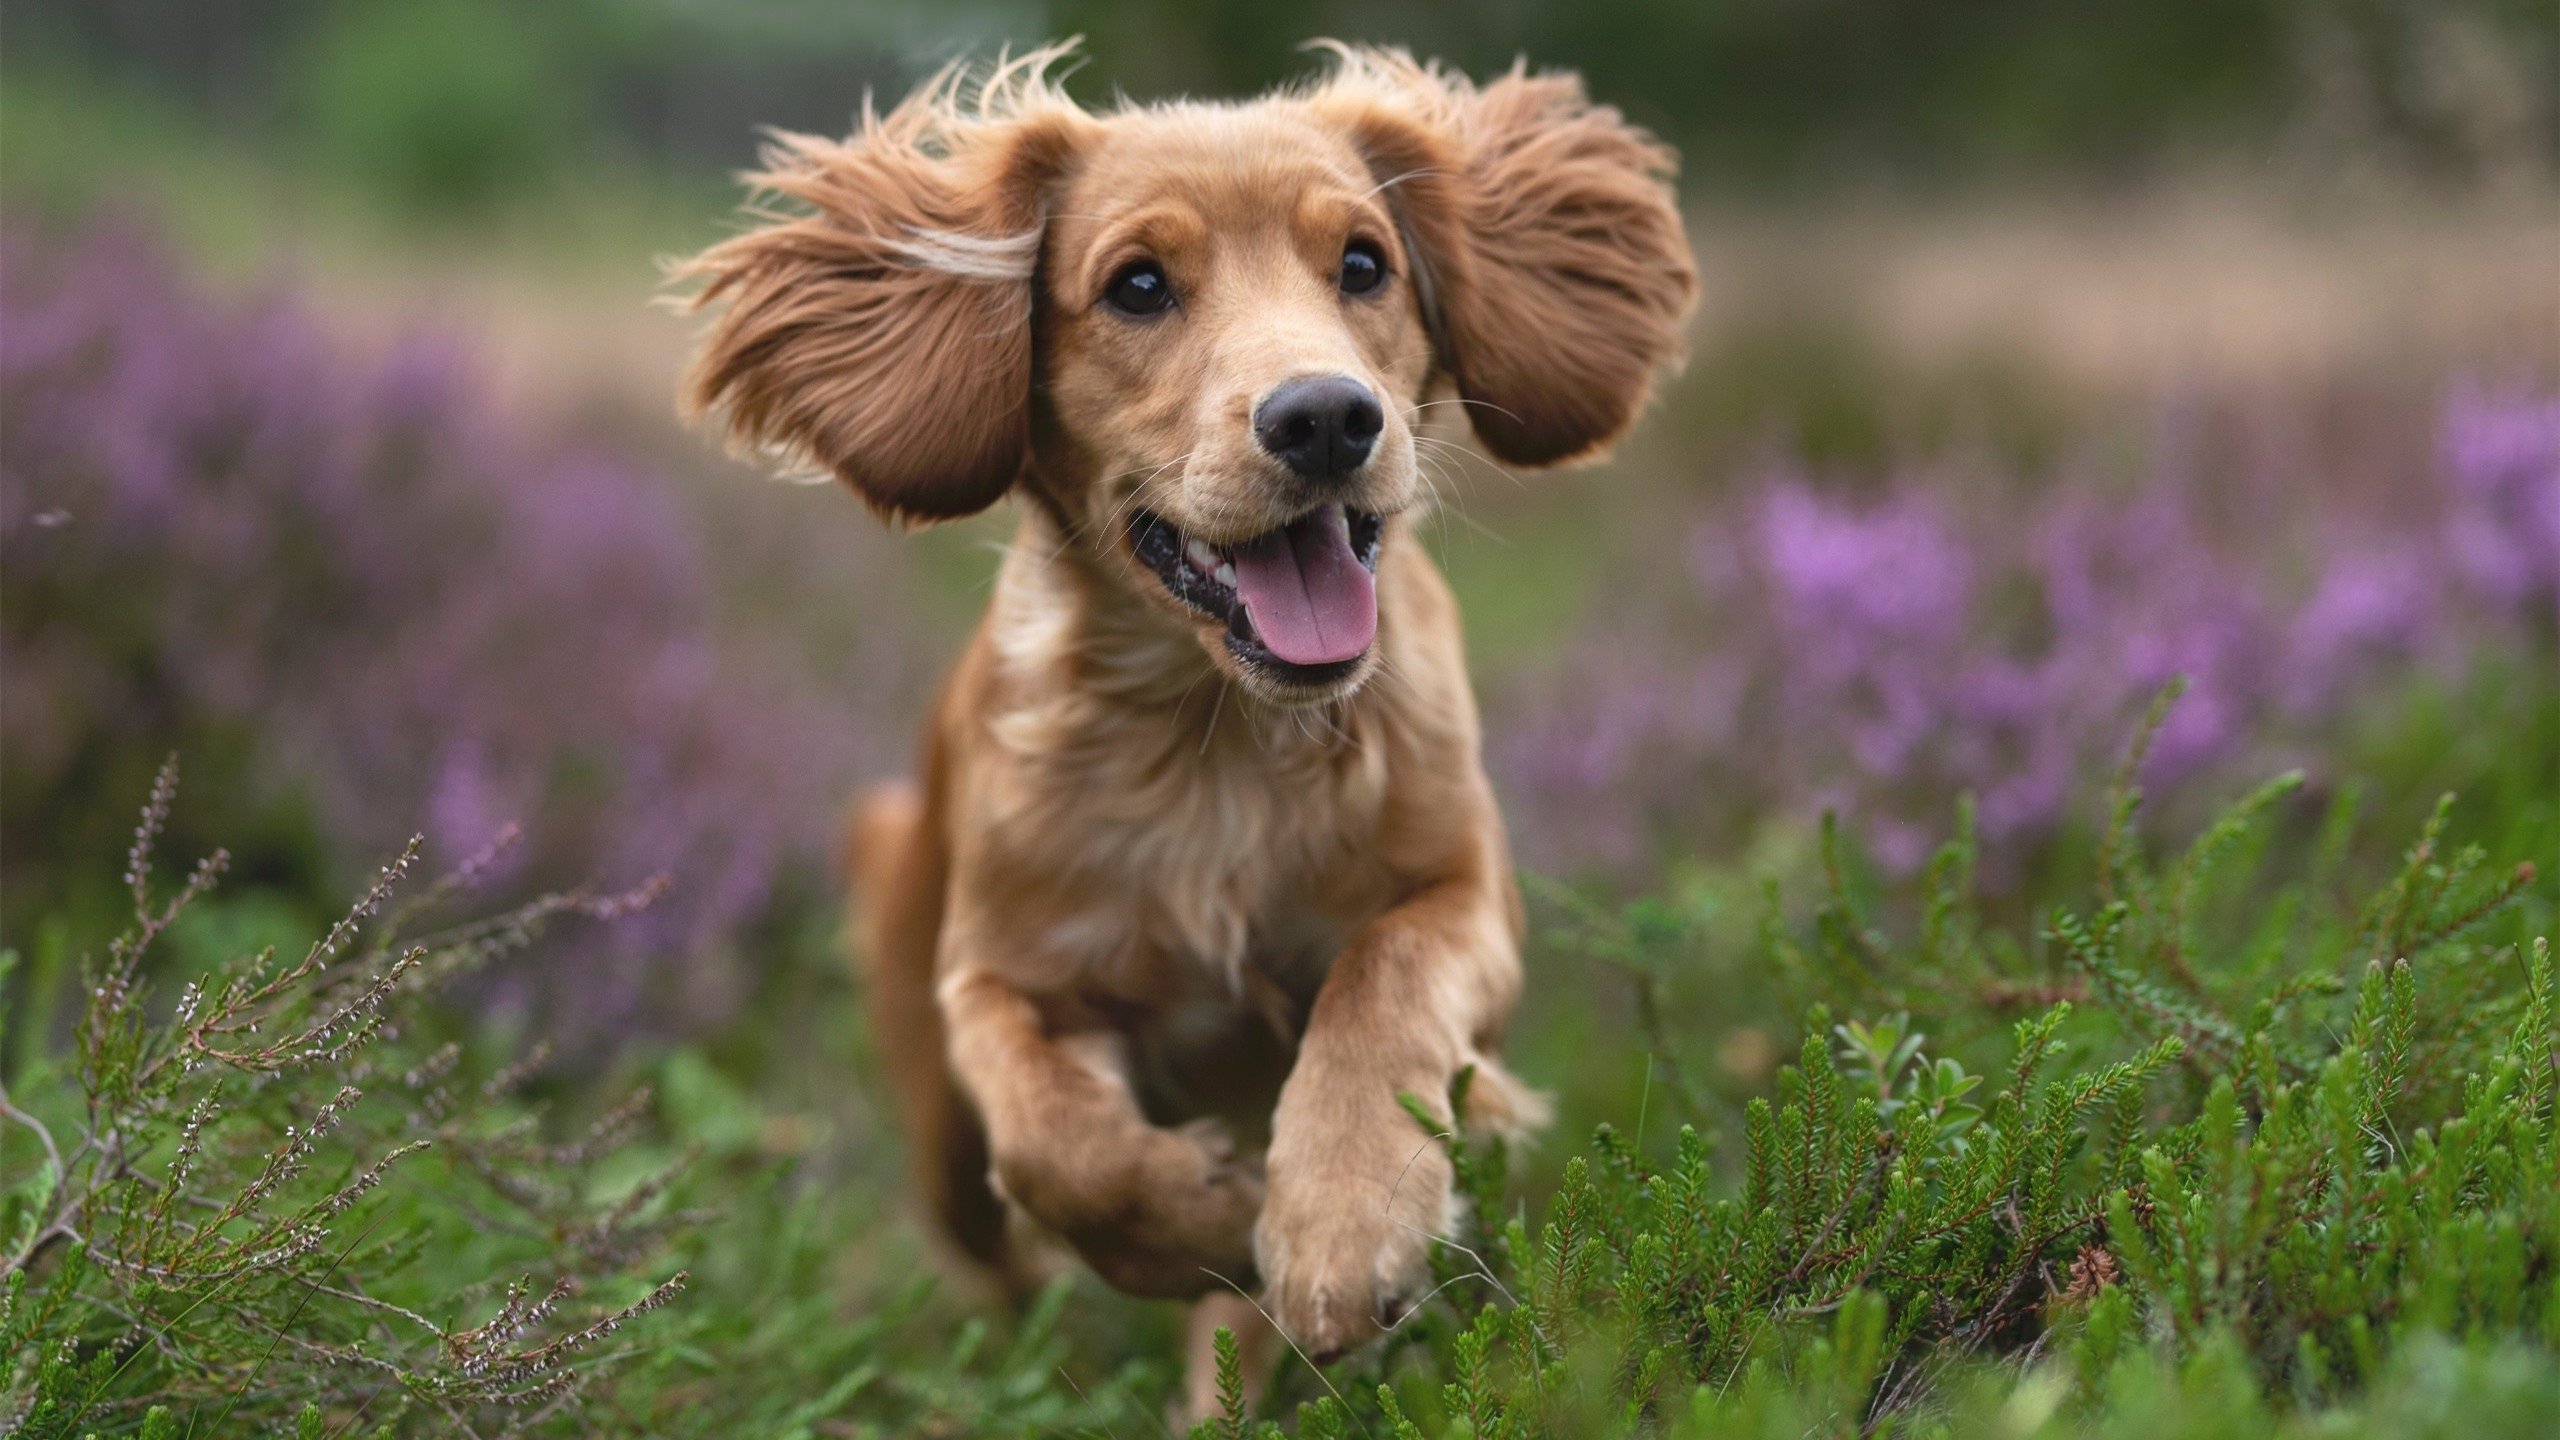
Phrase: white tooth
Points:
(1226, 575)
(1201, 555)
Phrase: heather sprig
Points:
(283, 1199)
(211, 1228)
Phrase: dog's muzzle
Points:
(1300, 601)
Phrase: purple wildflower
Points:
(1877, 657)
(2504, 527)
(213, 520)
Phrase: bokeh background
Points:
(2048, 350)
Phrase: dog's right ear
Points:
(881, 332)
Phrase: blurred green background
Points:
(444, 103)
(1830, 146)
(2033, 201)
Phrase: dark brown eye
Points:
(1139, 289)
(1364, 268)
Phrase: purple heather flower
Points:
(426, 618)
(2373, 605)
(1892, 572)
(1876, 657)
(2503, 456)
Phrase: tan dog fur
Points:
(1156, 941)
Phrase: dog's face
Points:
(1232, 356)
(1198, 336)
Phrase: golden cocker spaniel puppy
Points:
(1202, 871)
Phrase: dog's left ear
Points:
(1549, 256)
(882, 333)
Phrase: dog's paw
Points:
(1217, 1145)
(1345, 1240)
(1188, 1227)
(1155, 1212)
(1204, 1197)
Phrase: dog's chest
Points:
(1201, 934)
(1196, 877)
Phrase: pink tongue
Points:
(1311, 600)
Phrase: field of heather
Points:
(2036, 773)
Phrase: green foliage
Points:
(439, 104)
(2233, 1166)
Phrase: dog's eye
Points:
(1364, 268)
(1139, 289)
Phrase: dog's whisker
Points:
(1415, 173)
(1448, 497)
(1328, 717)
(1123, 505)
(1135, 491)
(1457, 505)
(1471, 456)
(1185, 699)
(1440, 489)
(1210, 731)
(1388, 670)
(1503, 411)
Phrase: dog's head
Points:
(1199, 336)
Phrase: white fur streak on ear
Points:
(876, 324)
(993, 258)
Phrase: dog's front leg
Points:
(1154, 1211)
(1357, 1189)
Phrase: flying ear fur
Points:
(880, 329)
(1552, 265)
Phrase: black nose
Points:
(1321, 426)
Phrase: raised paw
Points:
(1346, 1232)
(1155, 1212)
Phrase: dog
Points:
(1202, 879)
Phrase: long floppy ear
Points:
(1550, 258)
(879, 329)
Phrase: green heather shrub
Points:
(2221, 1151)
(202, 1232)
(283, 1201)
(2191, 1186)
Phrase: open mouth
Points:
(1300, 602)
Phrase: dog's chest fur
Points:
(1172, 865)
(1185, 860)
